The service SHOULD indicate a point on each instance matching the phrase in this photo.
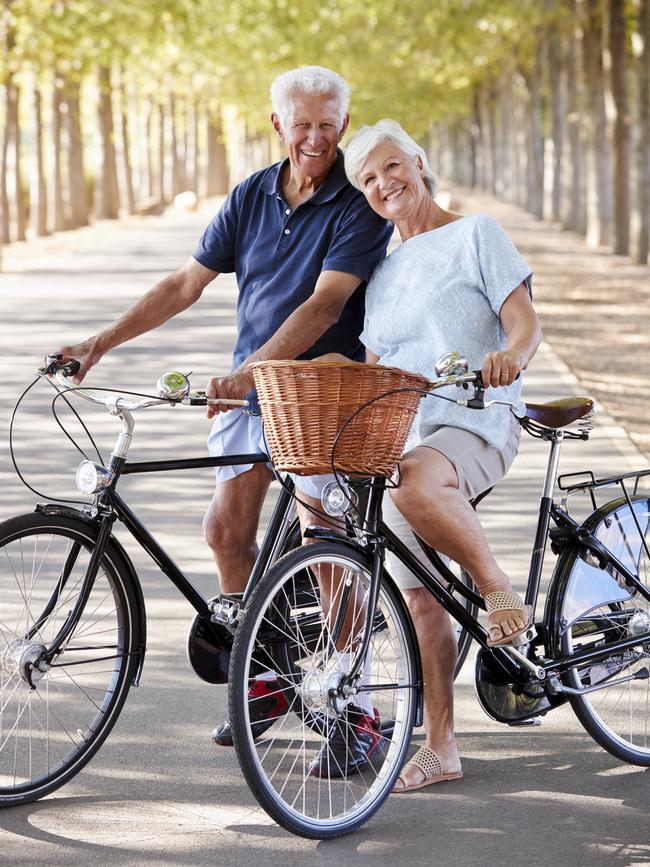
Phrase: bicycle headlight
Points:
(92, 477)
(337, 500)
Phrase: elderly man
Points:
(302, 242)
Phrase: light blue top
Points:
(442, 291)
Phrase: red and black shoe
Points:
(354, 739)
(267, 702)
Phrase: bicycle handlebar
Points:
(63, 374)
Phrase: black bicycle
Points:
(590, 646)
(72, 613)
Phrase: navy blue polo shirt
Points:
(278, 254)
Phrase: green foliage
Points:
(417, 61)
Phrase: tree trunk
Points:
(22, 208)
(217, 173)
(161, 154)
(4, 166)
(535, 150)
(618, 53)
(41, 206)
(126, 148)
(575, 209)
(79, 204)
(490, 114)
(643, 241)
(178, 170)
(477, 135)
(151, 176)
(506, 136)
(60, 221)
(110, 203)
(599, 190)
(558, 113)
(196, 152)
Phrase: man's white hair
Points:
(305, 81)
(367, 139)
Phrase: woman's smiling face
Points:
(392, 182)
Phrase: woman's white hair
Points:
(367, 139)
(309, 80)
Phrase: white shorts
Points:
(235, 432)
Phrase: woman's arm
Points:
(371, 358)
(521, 325)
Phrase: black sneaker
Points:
(354, 739)
(268, 702)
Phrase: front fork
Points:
(99, 548)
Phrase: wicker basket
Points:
(305, 404)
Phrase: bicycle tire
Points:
(463, 637)
(49, 732)
(276, 766)
(590, 607)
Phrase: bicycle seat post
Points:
(555, 438)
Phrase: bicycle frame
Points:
(110, 507)
(380, 537)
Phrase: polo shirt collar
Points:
(328, 190)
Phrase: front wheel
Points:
(308, 788)
(594, 607)
(54, 717)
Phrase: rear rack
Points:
(591, 484)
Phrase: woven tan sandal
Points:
(428, 762)
(502, 601)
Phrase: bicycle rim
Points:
(618, 714)
(309, 798)
(53, 720)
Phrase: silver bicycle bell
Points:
(173, 385)
(452, 364)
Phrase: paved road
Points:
(159, 793)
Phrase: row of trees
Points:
(565, 131)
(120, 106)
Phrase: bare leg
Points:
(429, 499)
(331, 585)
(439, 653)
(230, 526)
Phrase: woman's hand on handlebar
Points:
(236, 385)
(501, 368)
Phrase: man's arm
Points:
(170, 296)
(524, 334)
(297, 333)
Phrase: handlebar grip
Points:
(71, 367)
(478, 382)
(54, 365)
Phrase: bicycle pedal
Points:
(533, 722)
(526, 636)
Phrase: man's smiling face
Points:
(311, 133)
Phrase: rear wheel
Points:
(284, 620)
(54, 718)
(596, 607)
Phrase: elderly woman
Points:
(454, 283)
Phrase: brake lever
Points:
(54, 365)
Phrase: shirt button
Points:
(288, 211)
(286, 231)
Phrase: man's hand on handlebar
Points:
(236, 385)
(86, 353)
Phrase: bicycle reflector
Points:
(92, 477)
(337, 500)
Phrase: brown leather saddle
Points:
(559, 413)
